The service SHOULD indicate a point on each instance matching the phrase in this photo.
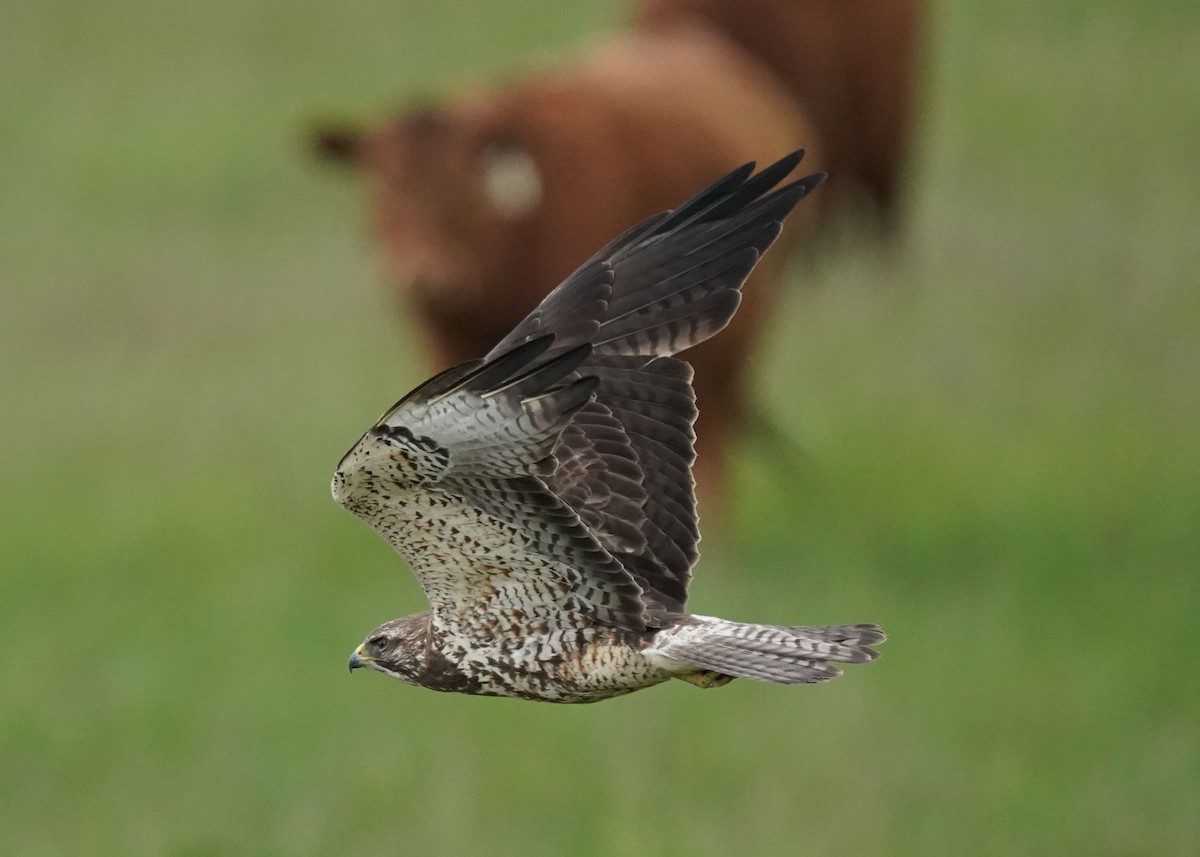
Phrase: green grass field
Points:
(1001, 465)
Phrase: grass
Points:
(998, 463)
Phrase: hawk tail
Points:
(719, 649)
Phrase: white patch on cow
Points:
(512, 181)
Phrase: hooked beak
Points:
(359, 658)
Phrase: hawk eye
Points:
(380, 643)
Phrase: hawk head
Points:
(397, 648)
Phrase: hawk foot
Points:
(707, 678)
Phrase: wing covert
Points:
(447, 476)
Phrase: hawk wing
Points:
(554, 475)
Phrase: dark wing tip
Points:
(738, 191)
(812, 182)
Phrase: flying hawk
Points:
(543, 495)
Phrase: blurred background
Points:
(995, 416)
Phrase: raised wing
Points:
(625, 460)
(554, 476)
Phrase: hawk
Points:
(543, 494)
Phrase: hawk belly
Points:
(568, 665)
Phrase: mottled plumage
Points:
(543, 494)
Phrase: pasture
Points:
(991, 442)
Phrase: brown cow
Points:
(485, 204)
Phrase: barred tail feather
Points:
(775, 653)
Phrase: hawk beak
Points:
(359, 658)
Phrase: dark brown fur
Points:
(852, 66)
